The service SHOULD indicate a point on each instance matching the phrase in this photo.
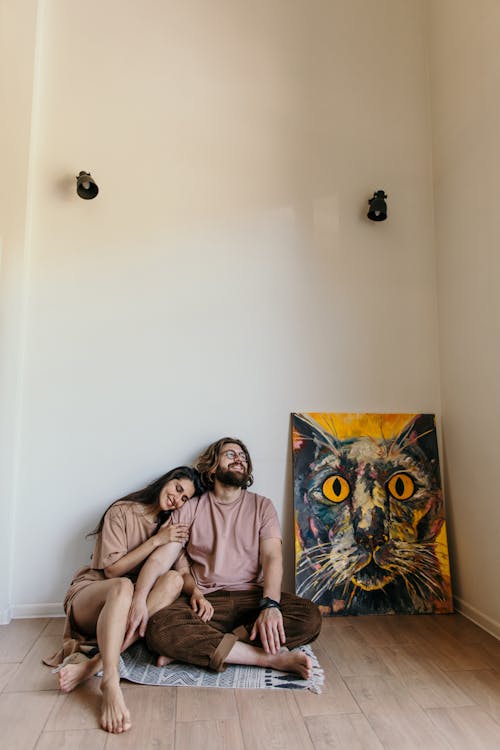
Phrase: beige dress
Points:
(125, 527)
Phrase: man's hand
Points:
(201, 605)
(172, 532)
(138, 617)
(269, 626)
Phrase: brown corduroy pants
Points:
(178, 632)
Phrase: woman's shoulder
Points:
(126, 509)
(188, 511)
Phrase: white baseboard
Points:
(479, 618)
(29, 611)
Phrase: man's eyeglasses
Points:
(233, 454)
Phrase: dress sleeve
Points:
(269, 525)
(111, 544)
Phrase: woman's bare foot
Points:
(162, 661)
(115, 716)
(74, 671)
(292, 661)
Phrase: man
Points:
(234, 611)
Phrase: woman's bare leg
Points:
(88, 607)
(165, 591)
(102, 608)
(110, 632)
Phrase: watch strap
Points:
(266, 603)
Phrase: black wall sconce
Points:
(378, 206)
(85, 186)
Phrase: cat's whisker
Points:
(320, 545)
(314, 562)
(428, 575)
(318, 594)
(311, 580)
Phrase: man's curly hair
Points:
(209, 460)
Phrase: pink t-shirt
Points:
(224, 539)
(126, 526)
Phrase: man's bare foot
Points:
(74, 670)
(292, 661)
(115, 716)
(162, 661)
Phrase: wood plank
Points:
(334, 698)
(93, 739)
(78, 710)
(6, 673)
(22, 718)
(428, 685)
(468, 728)
(18, 637)
(462, 628)
(448, 652)
(385, 630)
(32, 674)
(483, 687)
(352, 656)
(55, 626)
(270, 718)
(341, 732)
(492, 648)
(205, 704)
(396, 718)
(209, 735)
(152, 709)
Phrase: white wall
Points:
(17, 66)
(226, 274)
(465, 73)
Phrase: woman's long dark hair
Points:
(150, 495)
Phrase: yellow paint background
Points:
(344, 426)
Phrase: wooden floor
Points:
(392, 682)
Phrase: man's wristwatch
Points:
(266, 603)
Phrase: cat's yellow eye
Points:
(336, 488)
(401, 486)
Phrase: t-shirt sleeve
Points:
(269, 525)
(185, 514)
(111, 544)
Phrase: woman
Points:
(98, 601)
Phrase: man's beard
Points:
(231, 478)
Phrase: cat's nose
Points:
(371, 541)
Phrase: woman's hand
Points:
(138, 617)
(173, 532)
(201, 606)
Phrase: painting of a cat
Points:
(369, 516)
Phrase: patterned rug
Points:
(137, 664)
